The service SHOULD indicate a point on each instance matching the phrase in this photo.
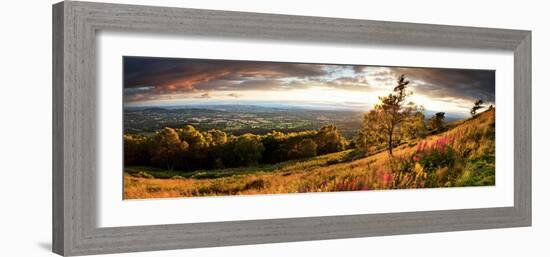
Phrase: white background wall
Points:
(25, 128)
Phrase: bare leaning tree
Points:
(477, 106)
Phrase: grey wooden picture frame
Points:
(75, 25)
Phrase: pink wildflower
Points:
(386, 178)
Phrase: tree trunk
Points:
(390, 144)
(390, 141)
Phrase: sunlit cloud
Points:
(205, 95)
(165, 81)
(235, 95)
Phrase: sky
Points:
(161, 82)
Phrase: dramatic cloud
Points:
(356, 83)
(167, 79)
(183, 75)
(455, 83)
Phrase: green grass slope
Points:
(464, 155)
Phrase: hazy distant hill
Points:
(239, 119)
(245, 118)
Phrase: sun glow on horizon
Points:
(183, 82)
(313, 96)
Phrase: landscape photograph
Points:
(208, 127)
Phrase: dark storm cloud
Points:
(451, 83)
(154, 78)
(147, 78)
(438, 83)
(181, 75)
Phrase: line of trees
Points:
(190, 149)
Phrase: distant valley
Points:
(240, 119)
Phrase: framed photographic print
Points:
(182, 128)
(205, 127)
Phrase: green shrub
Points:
(142, 174)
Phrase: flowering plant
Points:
(434, 157)
(434, 154)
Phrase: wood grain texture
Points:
(522, 128)
(75, 25)
(58, 192)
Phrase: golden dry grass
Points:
(473, 139)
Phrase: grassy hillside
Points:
(464, 155)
